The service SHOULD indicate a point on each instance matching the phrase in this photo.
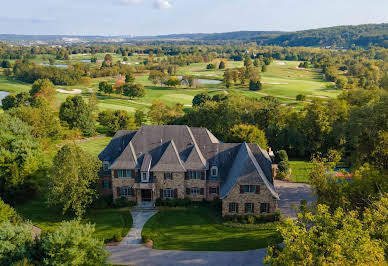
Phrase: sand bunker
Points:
(275, 83)
(281, 63)
(75, 91)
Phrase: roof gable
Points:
(170, 160)
(127, 159)
(195, 160)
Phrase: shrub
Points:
(210, 66)
(281, 156)
(250, 219)
(117, 237)
(300, 97)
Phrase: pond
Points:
(206, 81)
(56, 65)
(3, 94)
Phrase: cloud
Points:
(162, 4)
(158, 4)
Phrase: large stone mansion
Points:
(182, 162)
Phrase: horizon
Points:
(166, 17)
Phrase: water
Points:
(56, 65)
(206, 81)
(3, 94)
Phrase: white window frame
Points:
(145, 177)
(124, 173)
(105, 166)
(251, 189)
(168, 193)
(214, 168)
(235, 207)
(195, 191)
(215, 190)
(195, 174)
(125, 191)
(245, 207)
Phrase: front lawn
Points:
(300, 171)
(108, 222)
(199, 229)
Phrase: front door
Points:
(146, 195)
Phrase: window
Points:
(248, 207)
(249, 189)
(195, 191)
(144, 177)
(264, 207)
(168, 176)
(168, 193)
(125, 191)
(213, 190)
(195, 174)
(105, 166)
(106, 184)
(214, 171)
(125, 174)
(233, 207)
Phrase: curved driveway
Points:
(128, 253)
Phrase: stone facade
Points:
(235, 196)
(177, 182)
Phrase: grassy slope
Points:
(300, 171)
(197, 229)
(95, 146)
(108, 222)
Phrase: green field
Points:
(300, 171)
(95, 146)
(108, 222)
(198, 229)
(283, 80)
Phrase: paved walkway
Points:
(290, 195)
(134, 236)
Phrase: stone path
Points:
(134, 236)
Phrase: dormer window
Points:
(214, 171)
(145, 177)
(105, 166)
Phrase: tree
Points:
(8, 214)
(200, 99)
(249, 134)
(72, 243)
(134, 91)
(116, 120)
(320, 238)
(221, 65)
(93, 102)
(129, 78)
(256, 62)
(140, 118)
(210, 66)
(341, 82)
(107, 61)
(173, 82)
(162, 114)
(156, 77)
(248, 61)
(254, 85)
(188, 80)
(264, 68)
(6, 64)
(73, 179)
(301, 97)
(77, 114)
(16, 242)
(105, 87)
(43, 88)
(21, 157)
(40, 117)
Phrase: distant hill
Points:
(338, 36)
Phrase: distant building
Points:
(183, 162)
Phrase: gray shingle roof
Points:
(170, 160)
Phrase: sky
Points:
(157, 17)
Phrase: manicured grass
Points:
(108, 222)
(199, 229)
(95, 146)
(300, 171)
